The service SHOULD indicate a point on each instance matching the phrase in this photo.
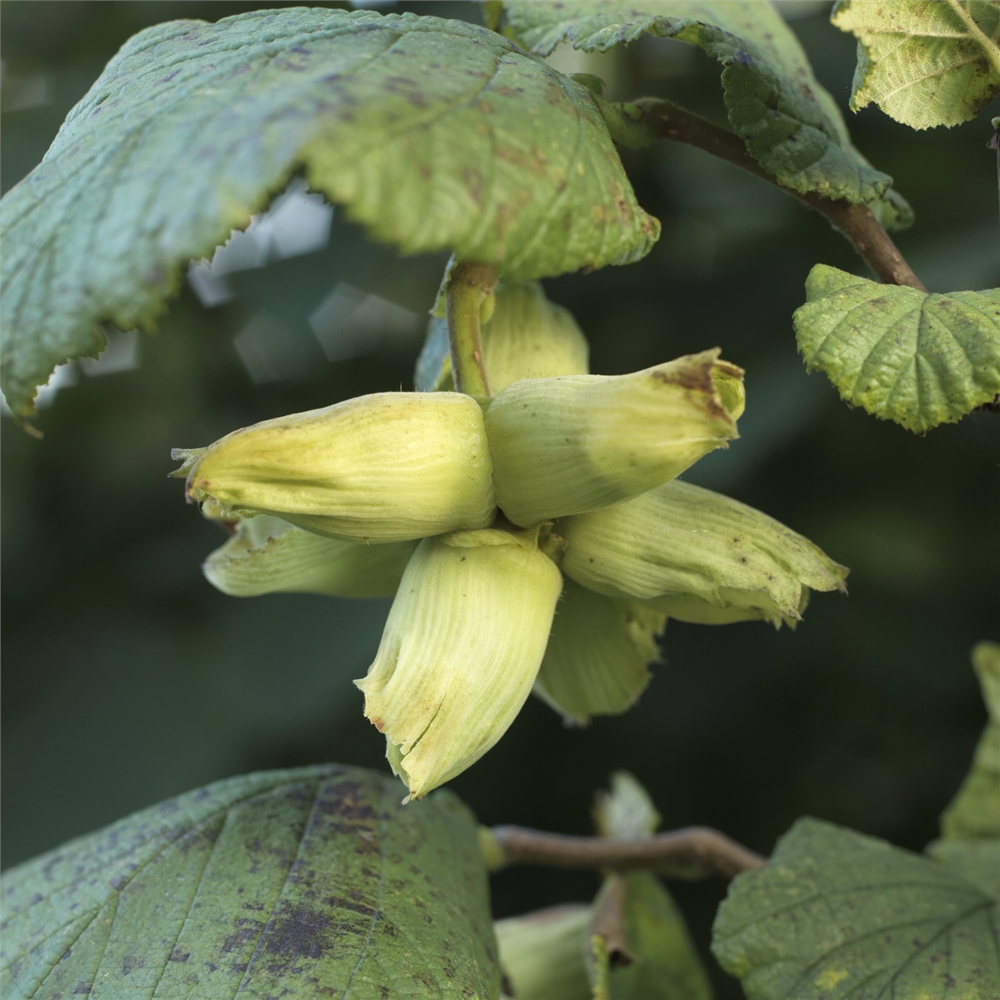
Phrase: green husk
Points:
(697, 556)
(566, 445)
(460, 650)
(387, 467)
(267, 555)
(597, 659)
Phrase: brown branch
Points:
(691, 853)
(856, 222)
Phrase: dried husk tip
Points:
(571, 444)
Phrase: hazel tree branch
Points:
(468, 286)
(691, 853)
(856, 222)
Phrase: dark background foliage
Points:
(128, 679)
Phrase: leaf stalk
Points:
(693, 852)
(468, 286)
(856, 222)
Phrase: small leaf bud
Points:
(566, 445)
(626, 810)
(597, 656)
(268, 555)
(460, 650)
(697, 556)
(388, 467)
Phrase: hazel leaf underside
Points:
(837, 914)
(432, 133)
(920, 62)
(902, 354)
(791, 125)
(263, 885)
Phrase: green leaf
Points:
(975, 811)
(970, 826)
(664, 962)
(791, 125)
(837, 914)
(283, 883)
(433, 133)
(924, 64)
(916, 358)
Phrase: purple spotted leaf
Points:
(309, 883)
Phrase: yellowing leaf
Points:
(924, 64)
(916, 358)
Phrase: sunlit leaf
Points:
(433, 133)
(790, 124)
(902, 354)
(837, 914)
(299, 884)
(924, 64)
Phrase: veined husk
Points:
(527, 337)
(596, 662)
(460, 650)
(388, 467)
(567, 445)
(267, 555)
(542, 953)
(697, 556)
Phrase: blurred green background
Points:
(128, 679)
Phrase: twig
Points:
(468, 286)
(856, 222)
(693, 852)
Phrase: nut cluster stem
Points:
(468, 286)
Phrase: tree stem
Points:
(856, 222)
(468, 286)
(691, 853)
